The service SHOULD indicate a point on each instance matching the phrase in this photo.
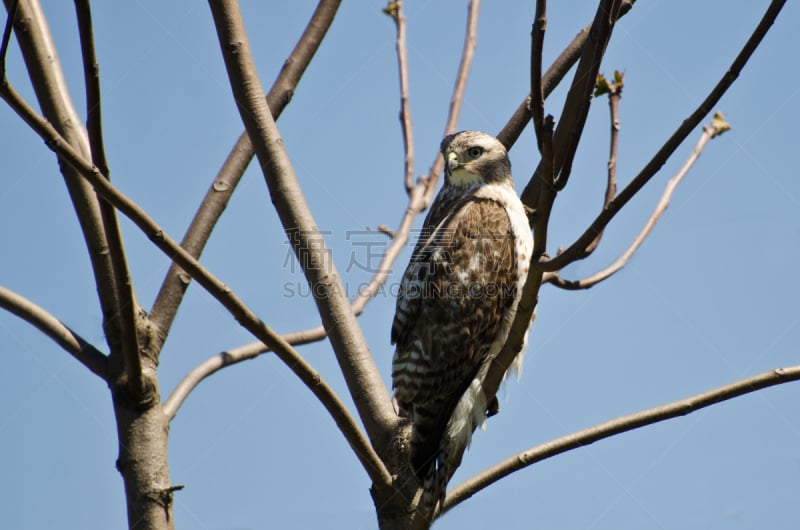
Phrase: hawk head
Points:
(473, 157)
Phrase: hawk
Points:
(456, 302)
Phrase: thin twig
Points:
(467, 54)
(221, 292)
(685, 406)
(221, 189)
(125, 295)
(614, 91)
(717, 127)
(537, 44)
(614, 96)
(669, 147)
(91, 75)
(70, 341)
(383, 229)
(395, 10)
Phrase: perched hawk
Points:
(456, 303)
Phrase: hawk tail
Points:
(437, 474)
(437, 449)
(430, 450)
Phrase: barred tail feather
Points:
(434, 481)
(435, 458)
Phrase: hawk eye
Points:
(475, 152)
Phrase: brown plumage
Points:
(456, 303)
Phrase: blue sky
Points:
(710, 298)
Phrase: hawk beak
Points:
(452, 161)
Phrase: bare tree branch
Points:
(467, 54)
(669, 147)
(542, 126)
(357, 364)
(537, 44)
(395, 10)
(219, 193)
(717, 127)
(548, 170)
(41, 59)
(685, 406)
(521, 117)
(221, 292)
(91, 74)
(74, 344)
(614, 91)
(576, 106)
(126, 299)
(551, 78)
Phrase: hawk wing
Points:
(442, 212)
(460, 282)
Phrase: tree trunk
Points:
(396, 506)
(143, 431)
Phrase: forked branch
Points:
(123, 286)
(221, 292)
(569, 130)
(717, 127)
(601, 221)
(682, 407)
